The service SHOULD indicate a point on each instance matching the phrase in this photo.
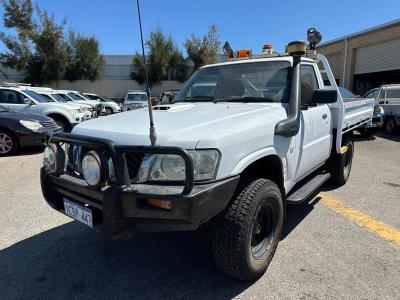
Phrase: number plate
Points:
(78, 212)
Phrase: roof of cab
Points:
(259, 58)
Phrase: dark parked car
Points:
(19, 130)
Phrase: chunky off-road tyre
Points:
(246, 235)
(340, 164)
(390, 125)
(8, 143)
(367, 132)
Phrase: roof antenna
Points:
(153, 135)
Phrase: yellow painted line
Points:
(377, 227)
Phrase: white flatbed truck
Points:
(265, 134)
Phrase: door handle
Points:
(324, 116)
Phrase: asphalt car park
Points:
(343, 243)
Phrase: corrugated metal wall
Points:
(117, 72)
(113, 88)
(377, 58)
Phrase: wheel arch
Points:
(58, 115)
(269, 167)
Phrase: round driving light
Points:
(49, 159)
(54, 159)
(92, 169)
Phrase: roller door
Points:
(378, 58)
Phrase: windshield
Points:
(65, 97)
(84, 97)
(36, 96)
(136, 97)
(257, 81)
(75, 96)
(371, 94)
(105, 99)
(58, 98)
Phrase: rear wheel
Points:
(8, 143)
(246, 236)
(340, 164)
(390, 125)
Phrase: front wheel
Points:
(62, 123)
(8, 143)
(108, 111)
(247, 234)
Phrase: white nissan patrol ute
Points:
(267, 135)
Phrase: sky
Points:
(245, 24)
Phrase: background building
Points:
(366, 59)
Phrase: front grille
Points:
(76, 153)
(133, 161)
(49, 124)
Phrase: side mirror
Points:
(324, 96)
(28, 101)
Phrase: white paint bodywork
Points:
(242, 132)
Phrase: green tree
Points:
(41, 49)
(163, 59)
(84, 58)
(49, 61)
(18, 54)
(203, 50)
(18, 15)
(177, 67)
(139, 73)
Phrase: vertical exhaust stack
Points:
(153, 134)
(290, 126)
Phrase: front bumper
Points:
(123, 207)
(121, 211)
(30, 138)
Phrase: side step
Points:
(307, 187)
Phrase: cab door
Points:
(313, 142)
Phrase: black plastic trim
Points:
(290, 126)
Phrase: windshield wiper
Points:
(244, 99)
(198, 98)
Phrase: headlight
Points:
(35, 126)
(74, 111)
(172, 167)
(54, 159)
(92, 169)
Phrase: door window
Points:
(12, 97)
(309, 84)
